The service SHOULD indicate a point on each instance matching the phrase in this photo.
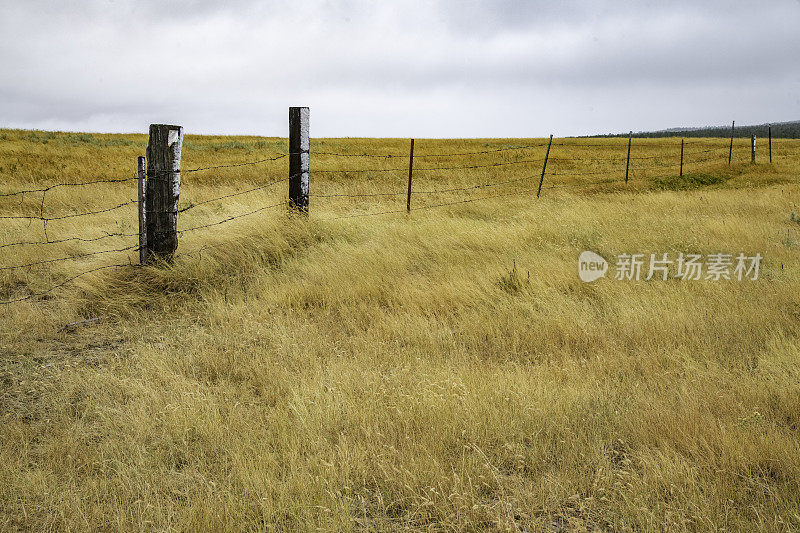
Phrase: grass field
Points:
(440, 370)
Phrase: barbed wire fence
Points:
(161, 180)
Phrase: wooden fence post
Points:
(410, 172)
(730, 151)
(681, 158)
(769, 132)
(544, 166)
(142, 172)
(752, 149)
(162, 190)
(628, 162)
(298, 158)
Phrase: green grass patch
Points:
(689, 181)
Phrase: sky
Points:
(440, 68)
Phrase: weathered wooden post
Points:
(162, 190)
(752, 149)
(681, 158)
(544, 166)
(628, 162)
(730, 152)
(142, 173)
(298, 158)
(410, 173)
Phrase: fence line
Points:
(355, 215)
(68, 258)
(225, 196)
(228, 219)
(153, 175)
(266, 160)
(455, 154)
(61, 284)
(61, 241)
(71, 215)
(75, 184)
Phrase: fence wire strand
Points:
(620, 142)
(61, 284)
(420, 155)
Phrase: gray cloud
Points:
(449, 68)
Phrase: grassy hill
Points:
(439, 370)
(780, 130)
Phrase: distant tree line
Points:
(780, 130)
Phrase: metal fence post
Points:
(142, 206)
(628, 162)
(410, 173)
(769, 132)
(544, 166)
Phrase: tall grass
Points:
(443, 370)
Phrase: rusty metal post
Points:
(142, 206)
(544, 166)
(628, 162)
(769, 132)
(730, 151)
(410, 173)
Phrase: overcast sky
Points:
(446, 68)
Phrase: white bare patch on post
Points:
(175, 143)
(304, 161)
(304, 138)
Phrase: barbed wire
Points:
(61, 241)
(61, 284)
(433, 191)
(67, 184)
(355, 195)
(424, 169)
(657, 156)
(46, 219)
(234, 165)
(153, 175)
(647, 142)
(68, 258)
(134, 178)
(228, 219)
(635, 168)
(355, 215)
(490, 151)
(225, 196)
(498, 183)
(62, 217)
(422, 155)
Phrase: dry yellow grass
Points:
(402, 372)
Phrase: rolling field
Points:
(443, 370)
